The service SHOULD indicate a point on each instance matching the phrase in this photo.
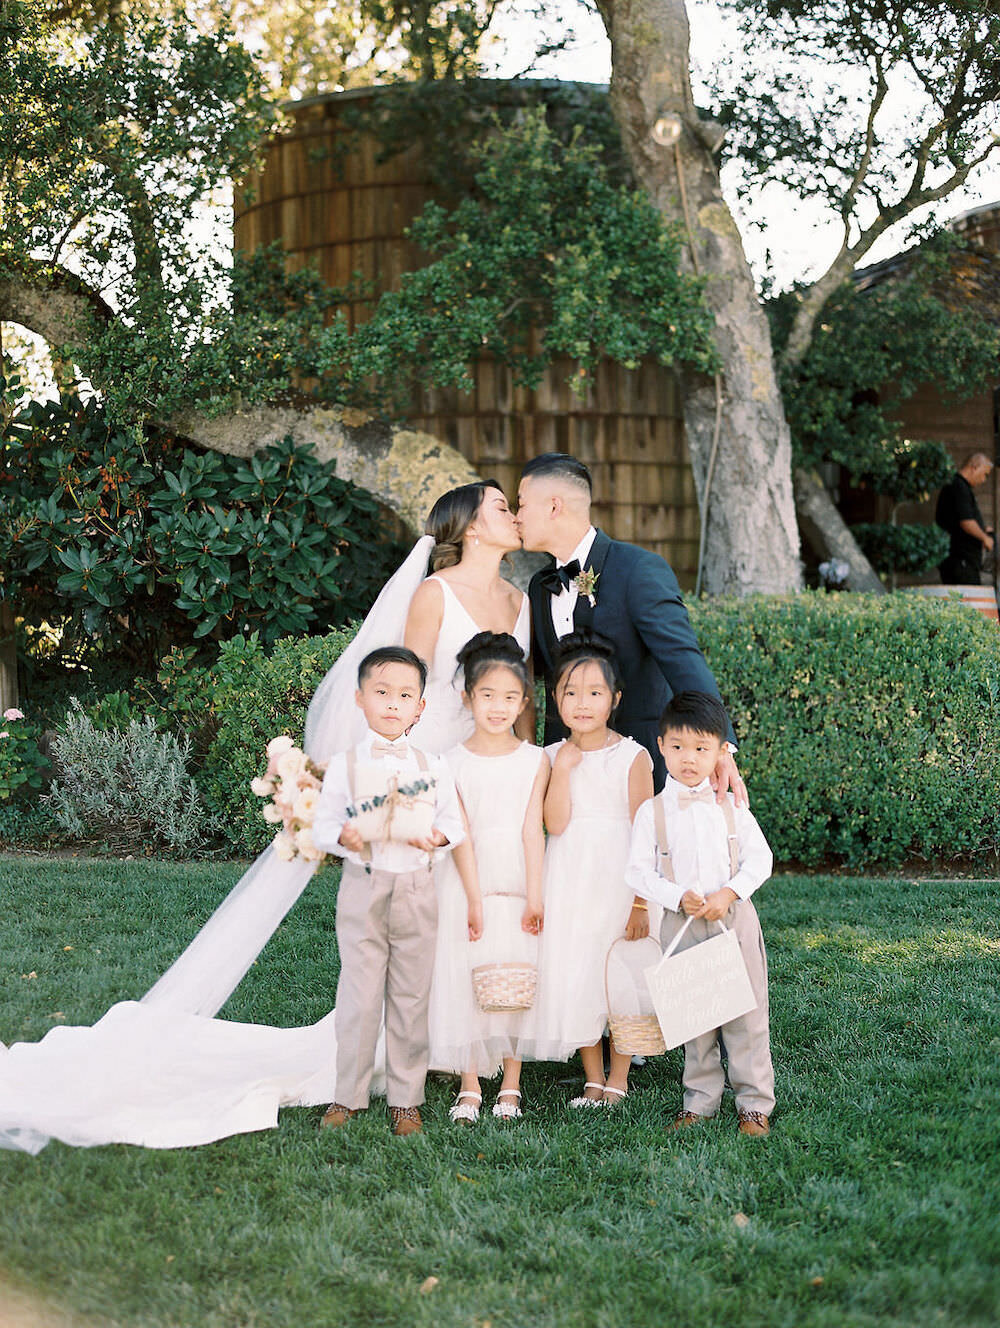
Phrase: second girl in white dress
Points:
(501, 781)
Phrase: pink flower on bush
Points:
(13, 713)
(5, 734)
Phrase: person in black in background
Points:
(958, 514)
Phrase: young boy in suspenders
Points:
(704, 859)
(387, 902)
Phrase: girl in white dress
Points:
(501, 780)
(599, 780)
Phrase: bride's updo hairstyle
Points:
(449, 519)
(485, 651)
(587, 647)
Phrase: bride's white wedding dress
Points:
(163, 1072)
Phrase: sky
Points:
(801, 238)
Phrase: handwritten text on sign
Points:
(700, 989)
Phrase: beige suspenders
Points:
(660, 824)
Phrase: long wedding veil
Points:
(203, 977)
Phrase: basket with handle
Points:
(505, 959)
(632, 1020)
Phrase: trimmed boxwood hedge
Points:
(869, 725)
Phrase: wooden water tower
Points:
(330, 193)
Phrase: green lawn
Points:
(875, 1201)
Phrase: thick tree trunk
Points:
(8, 658)
(753, 541)
(824, 529)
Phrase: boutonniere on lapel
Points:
(586, 584)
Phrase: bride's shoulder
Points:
(428, 598)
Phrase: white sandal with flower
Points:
(620, 1095)
(508, 1110)
(467, 1112)
(584, 1101)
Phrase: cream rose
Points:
(284, 846)
(291, 764)
(304, 806)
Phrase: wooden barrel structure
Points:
(981, 598)
(328, 191)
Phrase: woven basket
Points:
(637, 1034)
(504, 986)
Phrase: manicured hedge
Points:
(269, 695)
(869, 726)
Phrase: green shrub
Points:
(127, 788)
(905, 548)
(128, 543)
(869, 726)
(257, 696)
(22, 763)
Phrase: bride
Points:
(163, 1072)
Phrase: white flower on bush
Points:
(278, 746)
(304, 806)
(12, 713)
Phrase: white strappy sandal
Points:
(620, 1093)
(508, 1110)
(584, 1101)
(466, 1113)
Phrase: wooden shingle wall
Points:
(325, 193)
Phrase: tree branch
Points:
(404, 469)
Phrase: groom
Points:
(627, 594)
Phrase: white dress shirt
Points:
(335, 798)
(564, 603)
(697, 838)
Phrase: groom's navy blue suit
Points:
(639, 610)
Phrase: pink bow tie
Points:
(685, 797)
(380, 749)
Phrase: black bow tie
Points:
(557, 579)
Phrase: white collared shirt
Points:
(699, 850)
(564, 603)
(335, 798)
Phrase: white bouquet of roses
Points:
(292, 783)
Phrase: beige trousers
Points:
(386, 930)
(747, 1039)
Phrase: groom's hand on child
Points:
(350, 837)
(726, 777)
